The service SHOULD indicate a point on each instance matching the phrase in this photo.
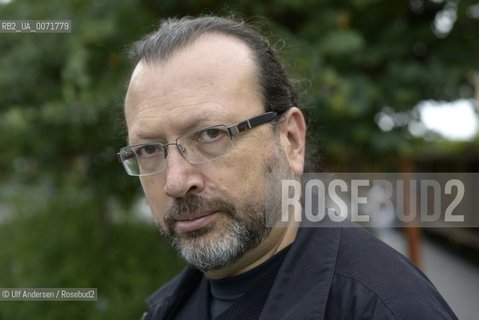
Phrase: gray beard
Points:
(224, 249)
(244, 227)
(238, 235)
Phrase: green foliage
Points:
(61, 188)
(70, 242)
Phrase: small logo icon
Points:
(5, 294)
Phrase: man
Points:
(210, 116)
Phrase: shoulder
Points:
(165, 299)
(165, 292)
(372, 278)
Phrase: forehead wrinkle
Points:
(174, 95)
(139, 132)
(163, 108)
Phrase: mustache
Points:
(191, 204)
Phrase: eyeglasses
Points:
(198, 146)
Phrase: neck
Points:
(278, 239)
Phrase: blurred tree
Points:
(67, 210)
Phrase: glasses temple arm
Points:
(253, 122)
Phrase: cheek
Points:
(242, 176)
(155, 196)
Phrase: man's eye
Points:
(211, 135)
(148, 150)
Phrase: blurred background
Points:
(388, 85)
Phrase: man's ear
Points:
(293, 138)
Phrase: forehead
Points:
(215, 77)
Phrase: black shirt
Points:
(227, 293)
(330, 273)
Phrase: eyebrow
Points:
(184, 129)
(195, 124)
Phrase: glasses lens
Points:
(143, 159)
(206, 144)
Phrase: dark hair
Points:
(174, 34)
(277, 91)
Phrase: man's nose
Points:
(181, 177)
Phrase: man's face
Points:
(211, 212)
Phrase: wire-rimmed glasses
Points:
(198, 146)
